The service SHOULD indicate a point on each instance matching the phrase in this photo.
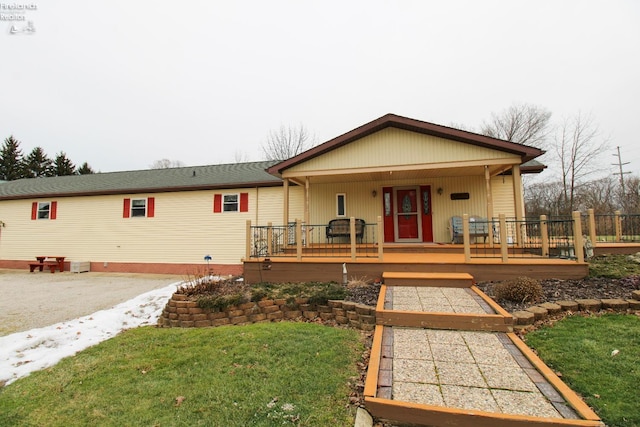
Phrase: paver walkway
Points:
(461, 369)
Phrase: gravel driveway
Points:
(33, 300)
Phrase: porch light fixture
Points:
(440, 190)
(374, 193)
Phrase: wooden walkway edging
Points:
(415, 413)
(378, 374)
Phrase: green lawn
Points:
(581, 349)
(258, 375)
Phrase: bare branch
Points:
(521, 123)
(287, 142)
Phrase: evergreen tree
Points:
(37, 164)
(11, 165)
(85, 169)
(63, 166)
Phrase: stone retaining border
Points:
(523, 319)
(182, 313)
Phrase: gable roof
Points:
(526, 152)
(233, 175)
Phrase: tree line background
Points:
(575, 178)
(14, 165)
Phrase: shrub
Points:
(521, 290)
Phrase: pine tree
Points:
(85, 169)
(37, 164)
(11, 165)
(63, 166)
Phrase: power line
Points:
(621, 173)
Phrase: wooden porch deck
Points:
(404, 258)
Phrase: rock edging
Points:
(527, 317)
(182, 313)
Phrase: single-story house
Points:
(412, 176)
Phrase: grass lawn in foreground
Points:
(581, 349)
(257, 375)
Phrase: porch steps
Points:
(443, 280)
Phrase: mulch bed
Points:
(587, 288)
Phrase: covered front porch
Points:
(535, 247)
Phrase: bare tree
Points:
(522, 123)
(240, 156)
(287, 142)
(599, 195)
(578, 144)
(166, 164)
(544, 198)
(630, 203)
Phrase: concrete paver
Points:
(461, 369)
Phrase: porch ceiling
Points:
(399, 173)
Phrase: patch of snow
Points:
(25, 352)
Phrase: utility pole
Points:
(621, 173)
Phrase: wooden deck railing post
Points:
(618, 220)
(298, 239)
(592, 227)
(247, 254)
(380, 238)
(504, 244)
(352, 236)
(269, 238)
(578, 241)
(465, 237)
(544, 235)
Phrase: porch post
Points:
(577, 236)
(465, 238)
(307, 199)
(592, 227)
(269, 238)
(519, 202)
(247, 254)
(352, 235)
(487, 180)
(285, 207)
(504, 243)
(544, 235)
(298, 240)
(380, 239)
(285, 210)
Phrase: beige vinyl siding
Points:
(183, 230)
(360, 202)
(502, 193)
(392, 147)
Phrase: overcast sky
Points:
(120, 84)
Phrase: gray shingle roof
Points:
(232, 175)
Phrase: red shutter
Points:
(126, 209)
(217, 203)
(151, 207)
(34, 210)
(54, 210)
(244, 202)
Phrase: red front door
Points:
(407, 214)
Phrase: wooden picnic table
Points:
(47, 261)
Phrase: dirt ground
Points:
(33, 300)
